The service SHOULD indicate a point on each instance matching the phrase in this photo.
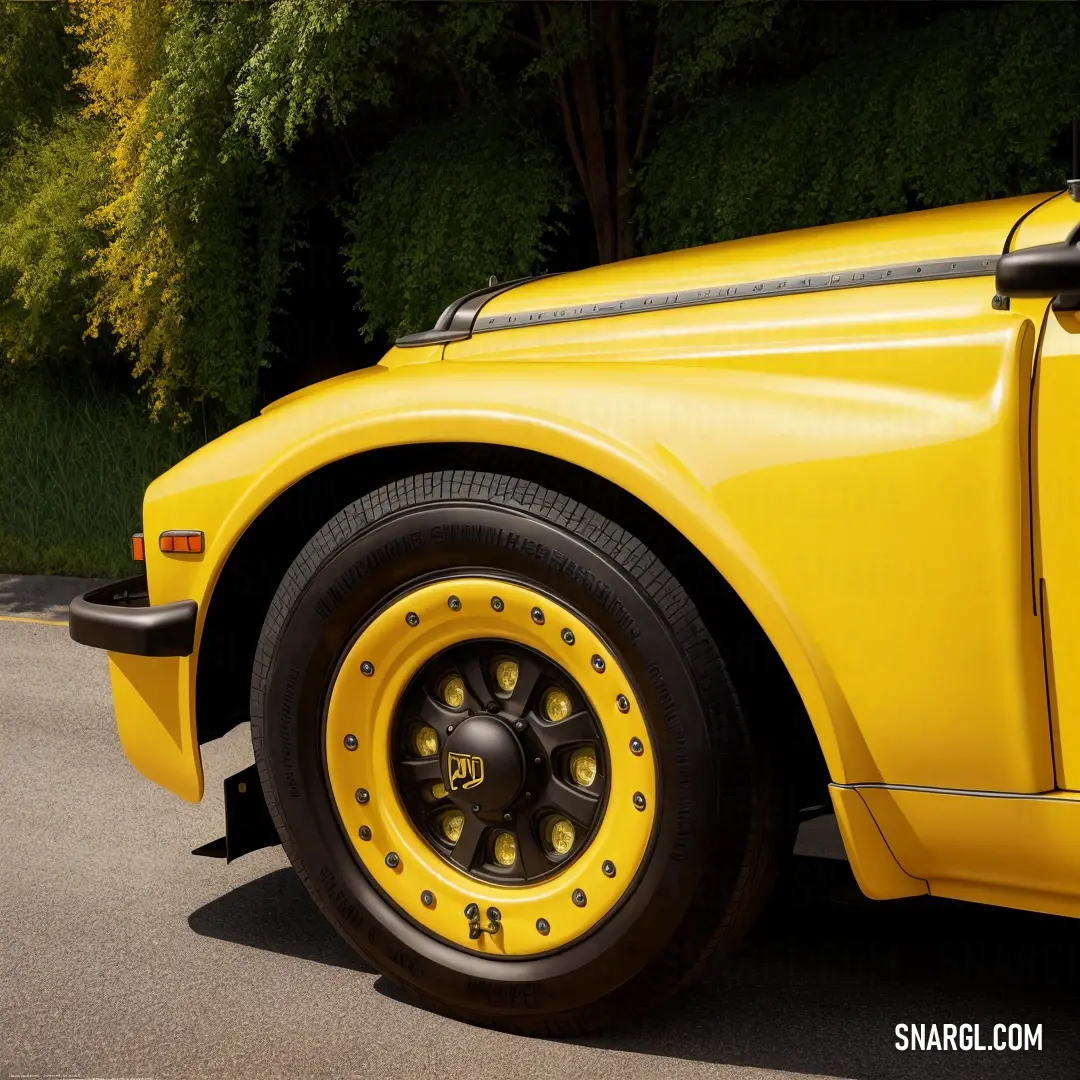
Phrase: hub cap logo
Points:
(466, 771)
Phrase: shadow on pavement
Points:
(826, 977)
(818, 988)
(274, 912)
(42, 596)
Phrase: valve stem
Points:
(472, 913)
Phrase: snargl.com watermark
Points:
(1000, 1037)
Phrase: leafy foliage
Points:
(163, 161)
(36, 57)
(194, 220)
(966, 108)
(445, 207)
(53, 178)
(319, 58)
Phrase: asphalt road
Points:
(121, 955)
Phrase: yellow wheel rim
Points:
(360, 725)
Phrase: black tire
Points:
(719, 835)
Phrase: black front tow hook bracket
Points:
(472, 913)
(248, 824)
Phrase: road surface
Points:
(122, 955)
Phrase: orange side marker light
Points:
(182, 542)
(138, 548)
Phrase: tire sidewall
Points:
(368, 556)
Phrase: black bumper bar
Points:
(118, 617)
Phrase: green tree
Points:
(53, 179)
(169, 166)
(430, 221)
(968, 107)
(36, 58)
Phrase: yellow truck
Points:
(552, 626)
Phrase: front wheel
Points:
(503, 753)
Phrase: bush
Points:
(964, 109)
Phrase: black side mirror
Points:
(1043, 271)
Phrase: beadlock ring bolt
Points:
(543, 926)
(519, 725)
(412, 619)
(393, 860)
(497, 604)
(368, 668)
(608, 868)
(427, 898)
(598, 664)
(568, 635)
(365, 833)
(351, 742)
(362, 795)
(636, 747)
(537, 616)
(578, 897)
(454, 603)
(639, 800)
(622, 703)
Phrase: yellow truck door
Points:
(1055, 467)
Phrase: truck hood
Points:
(949, 232)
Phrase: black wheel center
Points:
(482, 764)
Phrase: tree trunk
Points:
(604, 161)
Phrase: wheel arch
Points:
(262, 554)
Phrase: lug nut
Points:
(453, 603)
(451, 823)
(449, 729)
(497, 604)
(452, 691)
(506, 674)
(556, 705)
(427, 898)
(365, 833)
(537, 616)
(579, 897)
(568, 635)
(622, 703)
(639, 800)
(362, 795)
(608, 868)
(543, 926)
(426, 741)
(412, 619)
(598, 664)
(636, 746)
(351, 742)
(560, 835)
(367, 667)
(393, 860)
(583, 766)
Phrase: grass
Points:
(72, 475)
